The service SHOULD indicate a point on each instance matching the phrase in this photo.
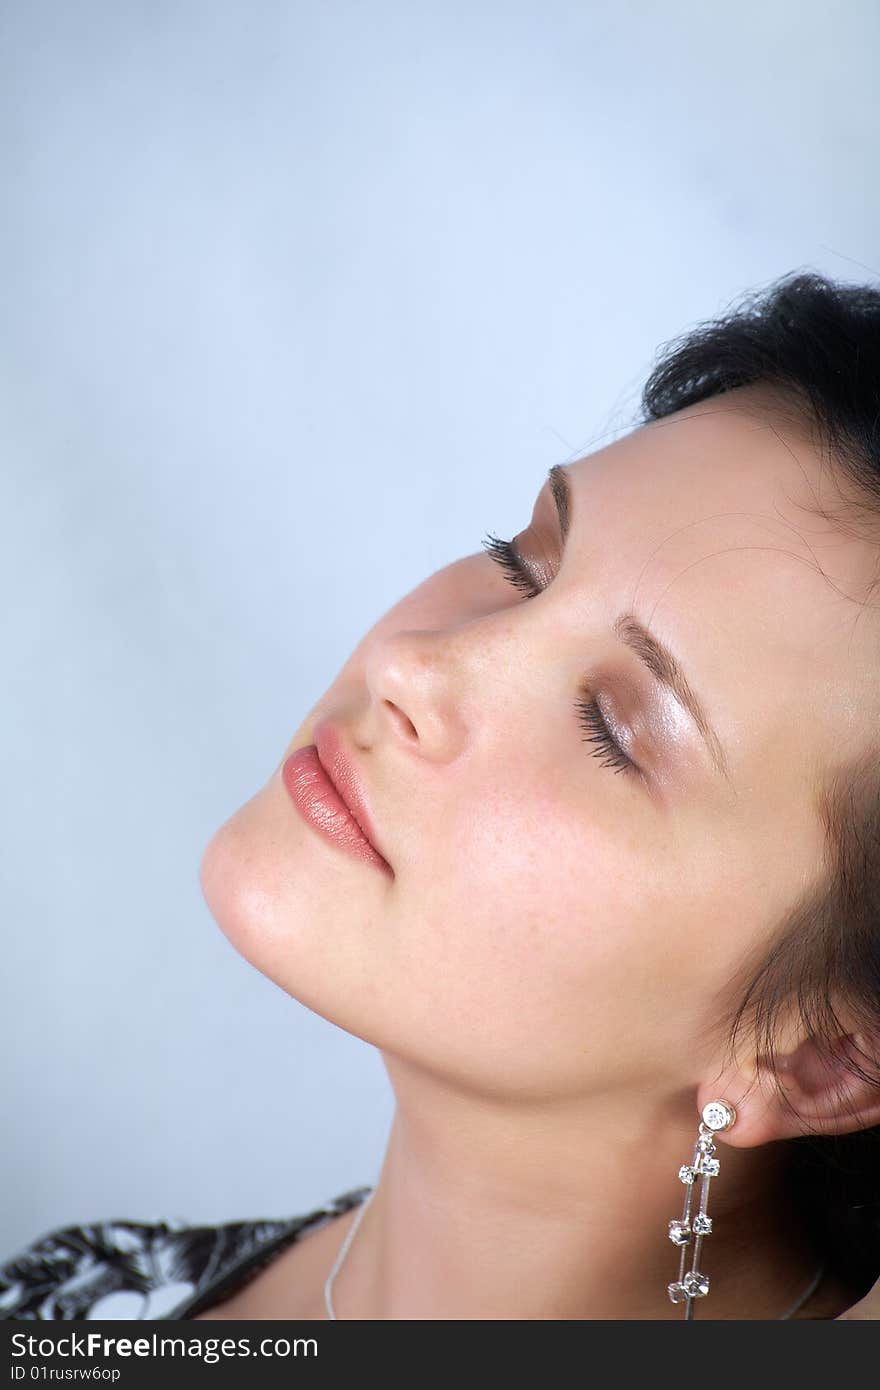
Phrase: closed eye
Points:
(505, 554)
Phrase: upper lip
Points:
(339, 768)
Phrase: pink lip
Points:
(324, 788)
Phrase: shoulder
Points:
(120, 1269)
(137, 1269)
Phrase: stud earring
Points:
(716, 1116)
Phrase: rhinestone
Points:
(702, 1224)
(706, 1144)
(710, 1167)
(718, 1114)
(677, 1292)
(686, 1173)
(696, 1284)
(679, 1232)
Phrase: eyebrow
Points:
(663, 665)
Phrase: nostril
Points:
(397, 713)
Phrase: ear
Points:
(827, 1094)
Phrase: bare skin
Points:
(543, 973)
(292, 1288)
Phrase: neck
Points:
(485, 1209)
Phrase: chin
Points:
(285, 903)
(237, 886)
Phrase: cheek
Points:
(534, 950)
(541, 950)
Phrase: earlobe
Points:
(750, 1097)
(809, 1090)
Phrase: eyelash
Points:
(589, 714)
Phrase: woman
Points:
(583, 838)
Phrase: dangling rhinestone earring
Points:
(717, 1115)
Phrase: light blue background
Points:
(298, 300)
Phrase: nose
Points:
(414, 681)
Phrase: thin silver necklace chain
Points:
(337, 1265)
(807, 1293)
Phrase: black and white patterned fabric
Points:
(147, 1269)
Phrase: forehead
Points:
(705, 525)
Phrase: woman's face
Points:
(557, 921)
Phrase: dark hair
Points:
(816, 345)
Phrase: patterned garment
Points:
(149, 1270)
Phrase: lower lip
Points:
(318, 802)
